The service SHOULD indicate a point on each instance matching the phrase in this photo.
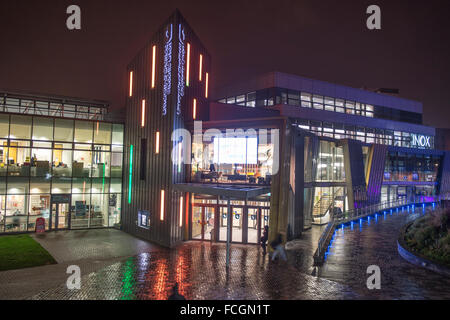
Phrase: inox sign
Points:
(421, 141)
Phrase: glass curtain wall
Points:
(42, 160)
(233, 159)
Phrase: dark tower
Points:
(167, 86)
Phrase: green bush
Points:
(430, 236)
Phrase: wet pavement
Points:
(200, 270)
(375, 243)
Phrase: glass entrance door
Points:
(202, 222)
(236, 230)
(60, 218)
(254, 225)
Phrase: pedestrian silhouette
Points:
(175, 295)
(264, 239)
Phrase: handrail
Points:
(363, 212)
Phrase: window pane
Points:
(20, 127)
(62, 160)
(117, 135)
(83, 131)
(81, 163)
(63, 130)
(4, 126)
(61, 185)
(102, 133)
(42, 128)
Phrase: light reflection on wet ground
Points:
(374, 242)
(200, 270)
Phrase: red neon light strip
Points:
(143, 113)
(153, 66)
(131, 84)
(161, 217)
(194, 109)
(206, 87)
(157, 142)
(188, 62)
(200, 67)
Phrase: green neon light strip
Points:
(130, 173)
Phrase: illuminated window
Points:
(131, 84)
(157, 142)
(143, 113)
(181, 211)
(161, 217)
(206, 86)
(194, 109)
(200, 67)
(188, 62)
(153, 66)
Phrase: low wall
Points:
(418, 259)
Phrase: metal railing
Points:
(360, 213)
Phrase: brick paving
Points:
(200, 270)
(352, 251)
(91, 250)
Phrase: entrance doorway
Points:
(247, 223)
(203, 222)
(60, 212)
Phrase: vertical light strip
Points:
(181, 211)
(200, 67)
(157, 142)
(188, 62)
(153, 66)
(130, 174)
(143, 113)
(206, 86)
(161, 216)
(179, 156)
(194, 109)
(131, 84)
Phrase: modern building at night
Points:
(60, 159)
(278, 150)
(286, 151)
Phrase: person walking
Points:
(277, 245)
(175, 294)
(264, 239)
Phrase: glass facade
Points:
(52, 106)
(234, 159)
(365, 135)
(67, 171)
(329, 192)
(210, 221)
(410, 167)
(274, 96)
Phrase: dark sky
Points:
(325, 40)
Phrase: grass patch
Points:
(430, 236)
(22, 251)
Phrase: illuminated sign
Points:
(421, 141)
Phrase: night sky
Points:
(325, 40)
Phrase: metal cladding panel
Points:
(444, 186)
(354, 174)
(168, 105)
(375, 172)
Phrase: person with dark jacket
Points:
(264, 239)
(175, 295)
